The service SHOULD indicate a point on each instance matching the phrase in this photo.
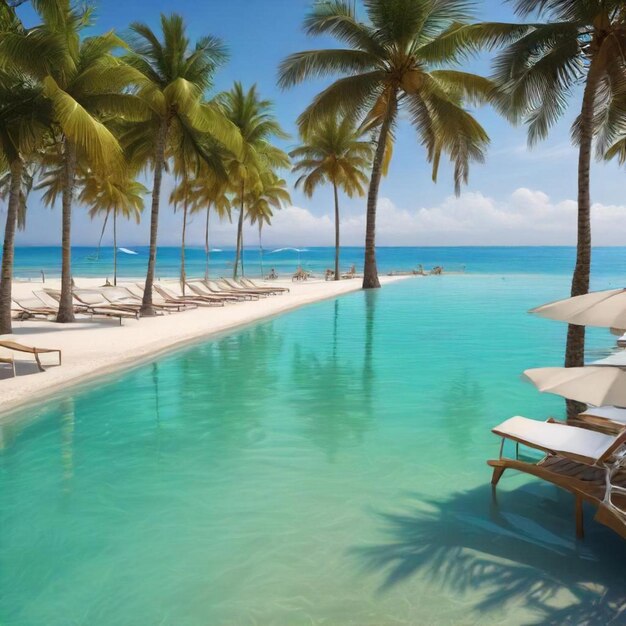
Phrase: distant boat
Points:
(216, 250)
(127, 251)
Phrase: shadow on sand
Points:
(518, 551)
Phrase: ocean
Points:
(607, 262)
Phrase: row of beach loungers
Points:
(124, 302)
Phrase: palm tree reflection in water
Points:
(337, 402)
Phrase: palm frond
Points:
(319, 63)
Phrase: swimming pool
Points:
(324, 467)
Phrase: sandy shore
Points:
(95, 347)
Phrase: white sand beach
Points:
(93, 347)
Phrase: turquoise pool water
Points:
(323, 467)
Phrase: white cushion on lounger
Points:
(613, 413)
(555, 437)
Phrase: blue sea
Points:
(324, 467)
(30, 261)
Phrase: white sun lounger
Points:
(611, 413)
(587, 463)
(581, 444)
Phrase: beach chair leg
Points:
(39, 365)
(580, 528)
(497, 475)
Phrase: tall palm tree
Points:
(335, 153)
(115, 197)
(257, 126)
(196, 156)
(183, 194)
(391, 62)
(271, 194)
(211, 195)
(581, 43)
(177, 75)
(24, 116)
(83, 81)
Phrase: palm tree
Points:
(195, 156)
(271, 194)
(183, 194)
(257, 126)
(176, 75)
(83, 81)
(211, 194)
(23, 118)
(394, 61)
(581, 43)
(107, 195)
(333, 153)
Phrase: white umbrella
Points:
(597, 385)
(599, 308)
(298, 250)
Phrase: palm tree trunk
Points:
(243, 271)
(8, 250)
(370, 271)
(337, 276)
(238, 251)
(146, 306)
(114, 247)
(575, 347)
(261, 247)
(104, 225)
(206, 243)
(183, 277)
(66, 308)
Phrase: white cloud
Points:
(526, 217)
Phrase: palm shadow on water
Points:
(518, 552)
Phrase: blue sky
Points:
(414, 211)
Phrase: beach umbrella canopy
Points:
(597, 385)
(298, 250)
(598, 308)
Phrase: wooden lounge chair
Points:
(93, 298)
(225, 283)
(351, 273)
(33, 307)
(158, 300)
(93, 303)
(213, 287)
(248, 282)
(18, 347)
(261, 290)
(199, 289)
(587, 463)
(8, 360)
(605, 418)
(169, 296)
(122, 297)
